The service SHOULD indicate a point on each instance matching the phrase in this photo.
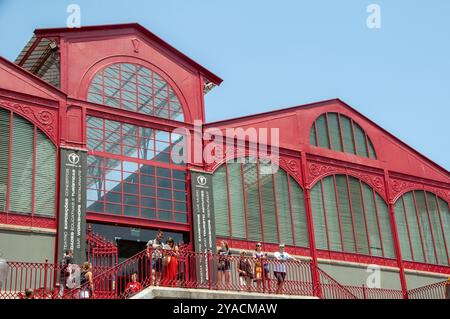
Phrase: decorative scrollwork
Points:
(45, 119)
(292, 166)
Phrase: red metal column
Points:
(396, 239)
(317, 289)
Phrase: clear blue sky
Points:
(276, 54)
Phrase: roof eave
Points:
(202, 70)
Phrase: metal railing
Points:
(38, 277)
(219, 274)
(365, 292)
(231, 273)
(440, 290)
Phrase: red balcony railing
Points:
(39, 277)
(440, 290)
(219, 274)
(365, 292)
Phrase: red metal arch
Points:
(45, 120)
(352, 174)
(105, 62)
(282, 162)
(417, 187)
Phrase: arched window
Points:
(135, 88)
(253, 201)
(349, 216)
(340, 133)
(27, 167)
(423, 223)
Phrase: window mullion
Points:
(339, 213)
(365, 217)
(330, 143)
(261, 209)
(420, 227)
(245, 198)
(352, 214)
(431, 227)
(353, 136)
(378, 222)
(325, 215)
(291, 210)
(275, 202)
(407, 228)
(229, 200)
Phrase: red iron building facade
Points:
(347, 195)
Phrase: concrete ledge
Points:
(183, 293)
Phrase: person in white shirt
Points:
(280, 267)
(154, 251)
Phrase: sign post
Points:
(72, 204)
(204, 224)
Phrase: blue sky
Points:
(276, 54)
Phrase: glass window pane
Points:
(320, 228)
(335, 132)
(237, 201)
(402, 229)
(283, 205)
(21, 166)
(4, 156)
(45, 184)
(252, 201)
(426, 229)
(332, 214)
(268, 203)
(386, 230)
(414, 227)
(220, 193)
(360, 138)
(437, 229)
(359, 216)
(346, 216)
(372, 221)
(322, 131)
(299, 214)
(347, 135)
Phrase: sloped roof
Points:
(237, 120)
(145, 32)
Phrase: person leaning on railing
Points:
(245, 271)
(154, 252)
(260, 265)
(280, 267)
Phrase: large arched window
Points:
(254, 201)
(135, 88)
(349, 216)
(423, 223)
(27, 167)
(131, 172)
(340, 133)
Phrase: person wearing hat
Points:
(280, 267)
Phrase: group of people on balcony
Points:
(258, 272)
(165, 264)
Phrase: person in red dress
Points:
(171, 262)
(133, 286)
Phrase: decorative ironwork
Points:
(45, 119)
